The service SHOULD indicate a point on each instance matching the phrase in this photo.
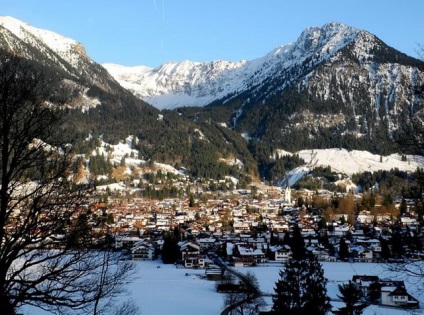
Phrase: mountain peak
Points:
(191, 83)
(65, 47)
(330, 29)
(66, 59)
(12, 23)
(330, 37)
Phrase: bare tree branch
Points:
(46, 254)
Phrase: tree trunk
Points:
(5, 306)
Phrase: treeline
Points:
(271, 165)
(382, 179)
(100, 165)
(160, 193)
(321, 177)
(168, 137)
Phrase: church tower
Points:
(287, 193)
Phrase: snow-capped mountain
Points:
(184, 83)
(335, 87)
(197, 84)
(65, 59)
(68, 49)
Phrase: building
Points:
(143, 250)
(282, 253)
(194, 261)
(392, 293)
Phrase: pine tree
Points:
(322, 224)
(170, 249)
(191, 201)
(297, 244)
(352, 297)
(343, 249)
(287, 239)
(301, 288)
(374, 292)
(397, 243)
(385, 249)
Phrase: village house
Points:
(397, 296)
(246, 254)
(189, 248)
(364, 283)
(126, 241)
(143, 250)
(194, 261)
(241, 226)
(392, 293)
(206, 243)
(191, 256)
(320, 253)
(281, 253)
(362, 254)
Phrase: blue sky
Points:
(152, 32)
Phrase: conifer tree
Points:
(38, 179)
(191, 201)
(297, 244)
(385, 249)
(397, 243)
(170, 249)
(374, 292)
(343, 249)
(301, 288)
(352, 297)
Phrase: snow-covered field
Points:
(351, 162)
(164, 289)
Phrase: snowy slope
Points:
(189, 83)
(340, 160)
(182, 84)
(66, 48)
(64, 57)
(351, 162)
(348, 163)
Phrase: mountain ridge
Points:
(188, 83)
(335, 87)
(65, 59)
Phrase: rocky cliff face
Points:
(335, 62)
(65, 59)
(334, 82)
(336, 86)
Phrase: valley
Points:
(315, 147)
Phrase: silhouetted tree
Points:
(170, 249)
(297, 244)
(374, 292)
(322, 224)
(287, 239)
(343, 249)
(352, 297)
(38, 181)
(247, 300)
(385, 249)
(397, 244)
(301, 288)
(191, 201)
